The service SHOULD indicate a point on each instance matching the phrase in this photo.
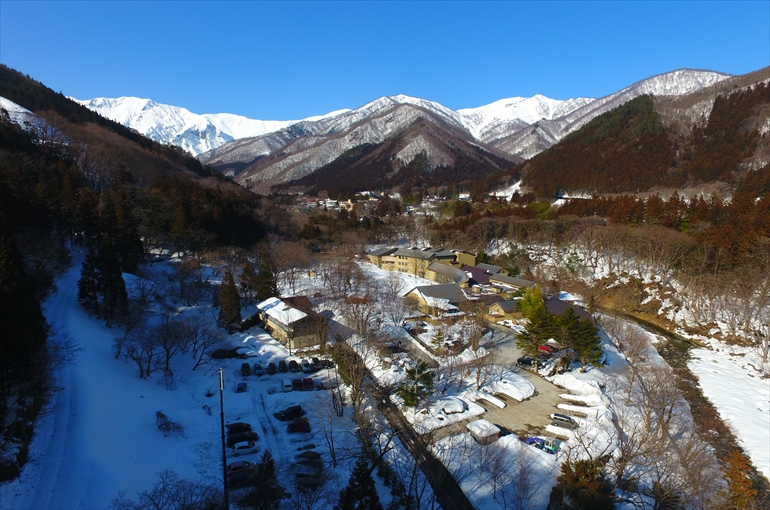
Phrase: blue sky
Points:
(284, 60)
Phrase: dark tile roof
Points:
(509, 280)
(490, 268)
(415, 254)
(380, 252)
(301, 303)
(449, 291)
(509, 306)
(490, 299)
(478, 276)
(558, 307)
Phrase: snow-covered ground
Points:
(741, 396)
(98, 436)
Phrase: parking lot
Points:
(264, 395)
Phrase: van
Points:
(564, 421)
(286, 385)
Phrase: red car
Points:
(308, 383)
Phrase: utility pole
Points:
(224, 448)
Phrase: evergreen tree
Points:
(587, 343)
(267, 280)
(111, 285)
(23, 328)
(229, 304)
(418, 384)
(581, 484)
(438, 339)
(88, 295)
(266, 493)
(361, 493)
(127, 241)
(530, 301)
(540, 328)
(248, 281)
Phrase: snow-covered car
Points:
(246, 352)
(244, 448)
(241, 387)
(258, 370)
(306, 367)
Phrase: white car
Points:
(244, 448)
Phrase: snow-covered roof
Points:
(483, 428)
(281, 311)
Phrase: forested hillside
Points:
(87, 182)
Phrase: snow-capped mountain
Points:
(544, 133)
(512, 128)
(178, 126)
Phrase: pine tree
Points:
(539, 329)
(418, 384)
(438, 339)
(587, 345)
(88, 295)
(361, 493)
(111, 285)
(229, 304)
(266, 493)
(248, 281)
(580, 485)
(531, 300)
(266, 281)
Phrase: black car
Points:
(316, 363)
(271, 368)
(282, 366)
(290, 413)
(245, 369)
(234, 428)
(299, 425)
(241, 479)
(241, 436)
(327, 363)
(294, 366)
(527, 361)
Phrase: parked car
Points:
(282, 366)
(527, 361)
(240, 465)
(241, 479)
(258, 370)
(564, 421)
(245, 369)
(298, 425)
(271, 368)
(294, 366)
(316, 363)
(327, 363)
(239, 426)
(286, 385)
(241, 387)
(547, 444)
(244, 448)
(241, 437)
(306, 368)
(290, 413)
(296, 384)
(308, 383)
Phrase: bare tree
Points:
(324, 415)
